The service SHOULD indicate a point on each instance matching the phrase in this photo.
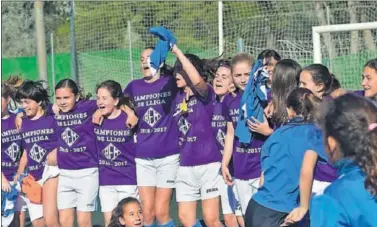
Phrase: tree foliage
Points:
(102, 25)
(18, 25)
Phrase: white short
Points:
(49, 172)
(78, 188)
(110, 195)
(319, 187)
(160, 173)
(198, 182)
(245, 190)
(229, 200)
(36, 210)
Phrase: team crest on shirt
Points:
(37, 153)
(183, 125)
(111, 152)
(220, 136)
(151, 117)
(69, 136)
(12, 151)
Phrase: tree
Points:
(18, 36)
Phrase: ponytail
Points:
(321, 75)
(125, 100)
(334, 85)
(304, 103)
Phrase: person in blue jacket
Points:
(281, 160)
(350, 130)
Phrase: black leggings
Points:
(260, 216)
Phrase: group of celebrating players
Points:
(310, 160)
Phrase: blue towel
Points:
(9, 197)
(164, 44)
(164, 34)
(158, 56)
(251, 102)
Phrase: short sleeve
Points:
(316, 144)
(128, 90)
(90, 105)
(325, 211)
(268, 148)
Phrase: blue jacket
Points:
(281, 161)
(251, 102)
(345, 202)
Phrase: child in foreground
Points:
(350, 130)
(127, 213)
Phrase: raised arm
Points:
(193, 75)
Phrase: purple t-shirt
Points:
(199, 142)
(116, 152)
(11, 148)
(77, 144)
(157, 134)
(219, 125)
(323, 170)
(360, 93)
(39, 138)
(246, 157)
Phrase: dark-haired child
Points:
(115, 147)
(281, 160)
(349, 124)
(198, 176)
(157, 149)
(39, 139)
(77, 154)
(127, 213)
